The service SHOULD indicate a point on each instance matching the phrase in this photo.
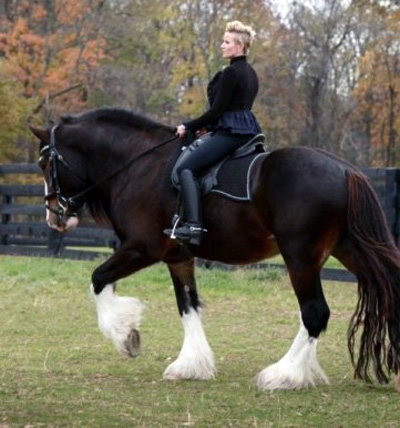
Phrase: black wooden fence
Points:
(23, 229)
(386, 182)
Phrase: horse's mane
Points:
(117, 116)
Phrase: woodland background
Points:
(329, 70)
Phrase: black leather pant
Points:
(213, 150)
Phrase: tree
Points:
(14, 112)
(323, 29)
(164, 72)
(378, 86)
(53, 49)
(279, 107)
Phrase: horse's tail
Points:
(377, 267)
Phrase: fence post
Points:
(6, 218)
(396, 226)
(55, 244)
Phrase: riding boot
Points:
(192, 230)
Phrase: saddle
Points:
(230, 177)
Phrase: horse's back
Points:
(300, 187)
(305, 161)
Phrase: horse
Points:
(306, 205)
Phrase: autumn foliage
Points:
(328, 69)
(53, 49)
(378, 91)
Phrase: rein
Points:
(73, 201)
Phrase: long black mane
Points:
(118, 116)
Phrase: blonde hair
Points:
(244, 34)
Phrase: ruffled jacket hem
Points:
(238, 122)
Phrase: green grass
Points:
(58, 371)
(330, 263)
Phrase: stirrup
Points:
(188, 232)
(175, 221)
(191, 233)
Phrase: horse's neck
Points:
(138, 157)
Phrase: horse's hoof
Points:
(281, 377)
(182, 369)
(132, 343)
(172, 376)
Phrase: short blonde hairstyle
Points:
(244, 34)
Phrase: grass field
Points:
(57, 370)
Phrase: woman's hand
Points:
(181, 131)
(201, 132)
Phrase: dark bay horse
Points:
(306, 205)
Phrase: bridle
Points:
(64, 206)
(70, 205)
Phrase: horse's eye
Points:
(42, 162)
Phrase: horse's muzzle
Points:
(59, 220)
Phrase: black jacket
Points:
(233, 89)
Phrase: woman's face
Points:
(229, 48)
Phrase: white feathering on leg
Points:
(297, 369)
(196, 360)
(118, 317)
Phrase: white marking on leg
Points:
(46, 192)
(119, 319)
(297, 369)
(196, 359)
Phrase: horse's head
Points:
(60, 182)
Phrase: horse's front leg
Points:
(196, 360)
(119, 317)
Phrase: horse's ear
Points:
(42, 134)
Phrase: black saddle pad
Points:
(231, 177)
(234, 177)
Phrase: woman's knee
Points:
(184, 172)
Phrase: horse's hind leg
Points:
(196, 360)
(299, 368)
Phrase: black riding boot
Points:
(192, 230)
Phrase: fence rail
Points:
(23, 230)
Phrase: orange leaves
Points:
(23, 50)
(70, 11)
(51, 46)
(38, 13)
(378, 87)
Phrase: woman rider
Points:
(231, 95)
